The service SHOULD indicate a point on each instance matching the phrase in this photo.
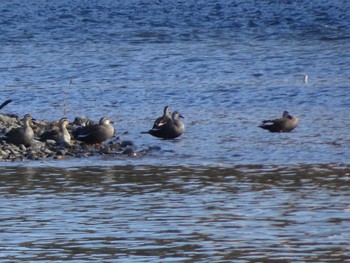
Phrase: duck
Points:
(163, 119)
(285, 124)
(96, 133)
(78, 124)
(21, 135)
(59, 134)
(50, 132)
(64, 137)
(171, 129)
(83, 121)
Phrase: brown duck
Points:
(169, 128)
(96, 133)
(61, 135)
(163, 119)
(22, 135)
(285, 124)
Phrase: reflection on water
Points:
(176, 214)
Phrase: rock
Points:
(39, 150)
(129, 151)
(4, 154)
(50, 142)
(22, 147)
(125, 144)
(32, 155)
(8, 121)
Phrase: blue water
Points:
(224, 191)
(175, 214)
(224, 65)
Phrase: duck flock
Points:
(35, 140)
(27, 138)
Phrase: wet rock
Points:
(49, 148)
(50, 142)
(47, 151)
(129, 151)
(22, 147)
(125, 144)
(62, 152)
(4, 154)
(8, 120)
(32, 155)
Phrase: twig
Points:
(65, 104)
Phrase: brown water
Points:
(253, 213)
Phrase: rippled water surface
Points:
(225, 65)
(226, 191)
(176, 214)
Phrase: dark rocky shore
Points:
(49, 148)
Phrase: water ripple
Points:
(157, 214)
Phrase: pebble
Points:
(50, 149)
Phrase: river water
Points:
(225, 191)
(175, 214)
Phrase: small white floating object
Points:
(306, 79)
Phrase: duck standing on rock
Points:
(168, 128)
(285, 124)
(78, 124)
(60, 135)
(96, 133)
(50, 133)
(21, 135)
(64, 137)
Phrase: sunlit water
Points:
(224, 65)
(226, 190)
(176, 214)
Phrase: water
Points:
(224, 65)
(226, 190)
(174, 214)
